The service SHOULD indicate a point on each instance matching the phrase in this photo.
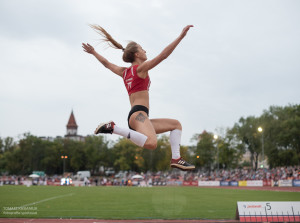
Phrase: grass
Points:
(129, 202)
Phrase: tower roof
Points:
(72, 122)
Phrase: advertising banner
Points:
(194, 183)
(190, 183)
(242, 183)
(208, 183)
(234, 183)
(224, 183)
(285, 183)
(174, 183)
(296, 183)
(267, 183)
(254, 183)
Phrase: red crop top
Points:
(133, 82)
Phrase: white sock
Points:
(136, 137)
(175, 139)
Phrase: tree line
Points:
(279, 140)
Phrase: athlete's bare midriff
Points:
(139, 98)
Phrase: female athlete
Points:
(142, 130)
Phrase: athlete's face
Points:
(141, 53)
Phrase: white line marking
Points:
(48, 199)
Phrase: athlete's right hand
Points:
(88, 48)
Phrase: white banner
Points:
(255, 183)
(285, 183)
(209, 183)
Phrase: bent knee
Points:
(151, 143)
(178, 125)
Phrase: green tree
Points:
(205, 150)
(78, 159)
(32, 150)
(228, 156)
(231, 150)
(12, 161)
(51, 162)
(97, 153)
(247, 134)
(1, 146)
(8, 144)
(281, 134)
(126, 153)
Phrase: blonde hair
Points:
(128, 52)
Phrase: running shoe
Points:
(107, 127)
(181, 164)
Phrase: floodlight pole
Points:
(260, 129)
(263, 149)
(64, 163)
(216, 137)
(64, 166)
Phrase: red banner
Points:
(190, 183)
(267, 183)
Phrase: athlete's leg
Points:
(162, 125)
(140, 122)
(110, 127)
(175, 128)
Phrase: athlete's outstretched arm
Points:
(114, 68)
(148, 65)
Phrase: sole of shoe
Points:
(99, 126)
(182, 167)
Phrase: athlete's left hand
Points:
(185, 30)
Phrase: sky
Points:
(240, 58)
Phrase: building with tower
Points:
(72, 129)
(71, 134)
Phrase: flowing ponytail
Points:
(129, 51)
(107, 37)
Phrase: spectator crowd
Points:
(128, 178)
